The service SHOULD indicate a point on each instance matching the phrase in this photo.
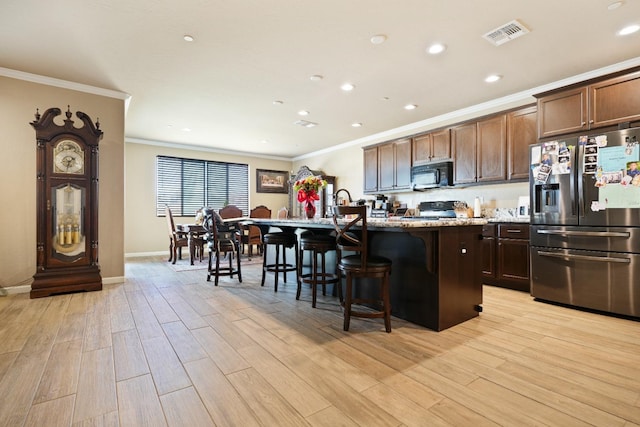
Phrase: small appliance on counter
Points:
(437, 209)
(381, 207)
(523, 207)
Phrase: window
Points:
(187, 185)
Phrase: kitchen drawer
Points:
(513, 231)
(489, 230)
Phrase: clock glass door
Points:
(68, 230)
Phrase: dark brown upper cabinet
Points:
(594, 105)
(492, 148)
(463, 151)
(394, 165)
(433, 146)
(521, 132)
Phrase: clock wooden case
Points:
(67, 205)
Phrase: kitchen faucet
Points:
(335, 196)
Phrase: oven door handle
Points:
(584, 257)
(586, 233)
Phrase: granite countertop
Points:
(375, 222)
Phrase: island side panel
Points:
(460, 281)
(413, 289)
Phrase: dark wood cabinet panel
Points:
(489, 251)
(513, 257)
(521, 132)
(562, 113)
(432, 146)
(596, 104)
(386, 167)
(422, 147)
(463, 150)
(614, 101)
(505, 257)
(370, 169)
(441, 145)
(402, 165)
(492, 149)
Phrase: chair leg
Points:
(277, 267)
(314, 278)
(217, 268)
(264, 268)
(238, 262)
(284, 262)
(387, 303)
(347, 304)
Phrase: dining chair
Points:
(283, 213)
(178, 239)
(251, 235)
(350, 223)
(230, 211)
(222, 243)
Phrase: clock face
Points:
(68, 157)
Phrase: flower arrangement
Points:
(308, 188)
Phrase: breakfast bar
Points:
(436, 272)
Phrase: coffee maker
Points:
(381, 206)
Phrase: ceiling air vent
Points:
(305, 123)
(506, 32)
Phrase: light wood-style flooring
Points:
(168, 348)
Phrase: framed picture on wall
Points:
(269, 181)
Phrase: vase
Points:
(310, 209)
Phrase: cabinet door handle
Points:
(591, 121)
(514, 231)
(583, 123)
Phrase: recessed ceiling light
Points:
(629, 30)
(187, 38)
(615, 5)
(410, 107)
(378, 39)
(316, 78)
(303, 113)
(186, 130)
(276, 102)
(356, 125)
(436, 48)
(347, 87)
(264, 141)
(493, 78)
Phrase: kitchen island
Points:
(436, 273)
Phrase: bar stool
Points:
(281, 241)
(361, 265)
(317, 245)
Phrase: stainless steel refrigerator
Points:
(585, 221)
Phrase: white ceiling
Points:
(249, 53)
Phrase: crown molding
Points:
(192, 147)
(64, 84)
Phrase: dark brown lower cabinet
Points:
(505, 257)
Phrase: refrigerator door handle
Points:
(586, 233)
(568, 257)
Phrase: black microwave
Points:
(431, 175)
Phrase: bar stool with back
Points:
(360, 265)
(222, 242)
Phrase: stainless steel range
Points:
(585, 221)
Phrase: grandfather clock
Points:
(67, 205)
